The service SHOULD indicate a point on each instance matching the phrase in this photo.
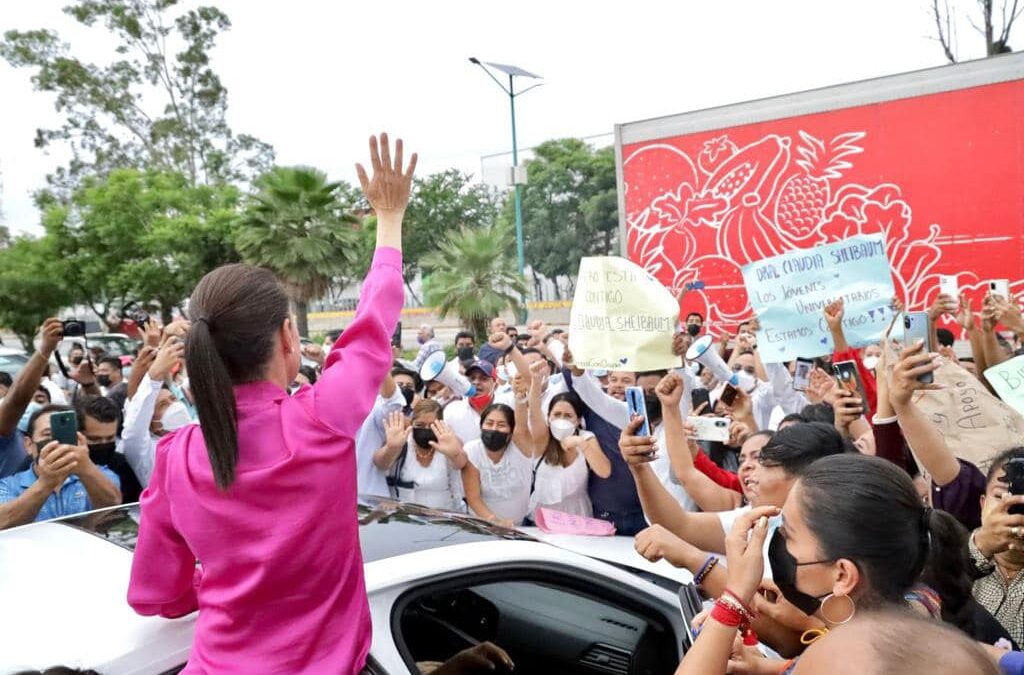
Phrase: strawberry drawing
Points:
(800, 209)
(714, 152)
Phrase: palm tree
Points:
(472, 276)
(297, 227)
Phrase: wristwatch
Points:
(981, 563)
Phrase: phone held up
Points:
(73, 328)
(848, 378)
(916, 328)
(1015, 480)
(802, 374)
(1000, 287)
(728, 396)
(701, 397)
(710, 428)
(637, 406)
(64, 427)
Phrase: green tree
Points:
(31, 286)
(570, 207)
(158, 104)
(471, 275)
(298, 227)
(143, 236)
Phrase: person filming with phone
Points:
(62, 480)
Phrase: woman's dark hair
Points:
(309, 372)
(236, 311)
(1000, 460)
(5, 379)
(794, 418)
(819, 412)
(796, 448)
(510, 415)
(764, 433)
(865, 509)
(553, 453)
(427, 406)
(948, 570)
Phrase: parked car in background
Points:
(12, 360)
(437, 582)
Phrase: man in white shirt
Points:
(553, 383)
(463, 415)
(369, 479)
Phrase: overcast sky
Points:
(314, 78)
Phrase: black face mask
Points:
(76, 360)
(784, 567)
(493, 440)
(423, 438)
(693, 329)
(102, 453)
(103, 380)
(465, 353)
(409, 395)
(653, 404)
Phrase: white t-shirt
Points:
(434, 483)
(505, 486)
(556, 386)
(463, 420)
(728, 519)
(371, 436)
(563, 488)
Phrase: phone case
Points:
(728, 396)
(637, 406)
(849, 379)
(948, 286)
(1000, 287)
(802, 374)
(64, 427)
(701, 396)
(710, 428)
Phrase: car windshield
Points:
(12, 363)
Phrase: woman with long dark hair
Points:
(263, 494)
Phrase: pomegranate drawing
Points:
(805, 196)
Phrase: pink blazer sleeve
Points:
(361, 357)
(164, 578)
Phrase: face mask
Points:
(693, 329)
(784, 567)
(76, 360)
(102, 453)
(870, 362)
(421, 340)
(423, 437)
(408, 395)
(494, 440)
(562, 429)
(653, 404)
(29, 411)
(480, 401)
(103, 380)
(465, 353)
(175, 417)
(746, 381)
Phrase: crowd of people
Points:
(835, 530)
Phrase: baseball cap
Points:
(484, 367)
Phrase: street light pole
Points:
(513, 72)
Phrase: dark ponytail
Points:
(948, 569)
(866, 510)
(236, 310)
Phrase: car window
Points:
(542, 625)
(12, 363)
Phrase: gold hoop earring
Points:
(825, 612)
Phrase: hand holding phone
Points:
(64, 427)
(1000, 287)
(637, 406)
(917, 328)
(848, 378)
(802, 374)
(948, 286)
(1015, 482)
(710, 428)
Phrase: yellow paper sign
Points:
(622, 318)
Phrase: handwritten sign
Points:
(558, 522)
(622, 318)
(788, 293)
(1008, 380)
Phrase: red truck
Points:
(933, 159)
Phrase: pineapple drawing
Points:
(800, 208)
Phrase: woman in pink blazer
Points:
(263, 494)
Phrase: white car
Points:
(437, 583)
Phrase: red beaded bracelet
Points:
(736, 597)
(726, 615)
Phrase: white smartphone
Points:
(710, 428)
(948, 286)
(802, 374)
(1000, 287)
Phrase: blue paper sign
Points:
(789, 292)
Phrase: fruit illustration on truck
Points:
(934, 160)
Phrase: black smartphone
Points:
(729, 394)
(701, 397)
(396, 337)
(64, 427)
(1015, 480)
(849, 379)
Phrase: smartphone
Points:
(64, 427)
(710, 428)
(1000, 287)
(1015, 480)
(396, 337)
(916, 327)
(695, 286)
(729, 394)
(637, 406)
(849, 379)
(699, 397)
(948, 286)
(802, 374)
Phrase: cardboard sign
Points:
(622, 318)
(788, 293)
(557, 522)
(1008, 380)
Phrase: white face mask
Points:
(562, 429)
(870, 362)
(747, 382)
(175, 417)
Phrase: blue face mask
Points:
(29, 411)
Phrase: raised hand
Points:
(635, 449)
(170, 353)
(537, 330)
(537, 370)
(314, 352)
(447, 443)
(396, 430)
(680, 343)
(834, 313)
(56, 463)
(656, 543)
(389, 188)
(1000, 530)
(744, 551)
(51, 333)
(849, 408)
(178, 328)
(501, 341)
(520, 385)
(914, 361)
(820, 387)
(943, 304)
(670, 390)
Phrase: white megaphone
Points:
(425, 351)
(701, 352)
(435, 367)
